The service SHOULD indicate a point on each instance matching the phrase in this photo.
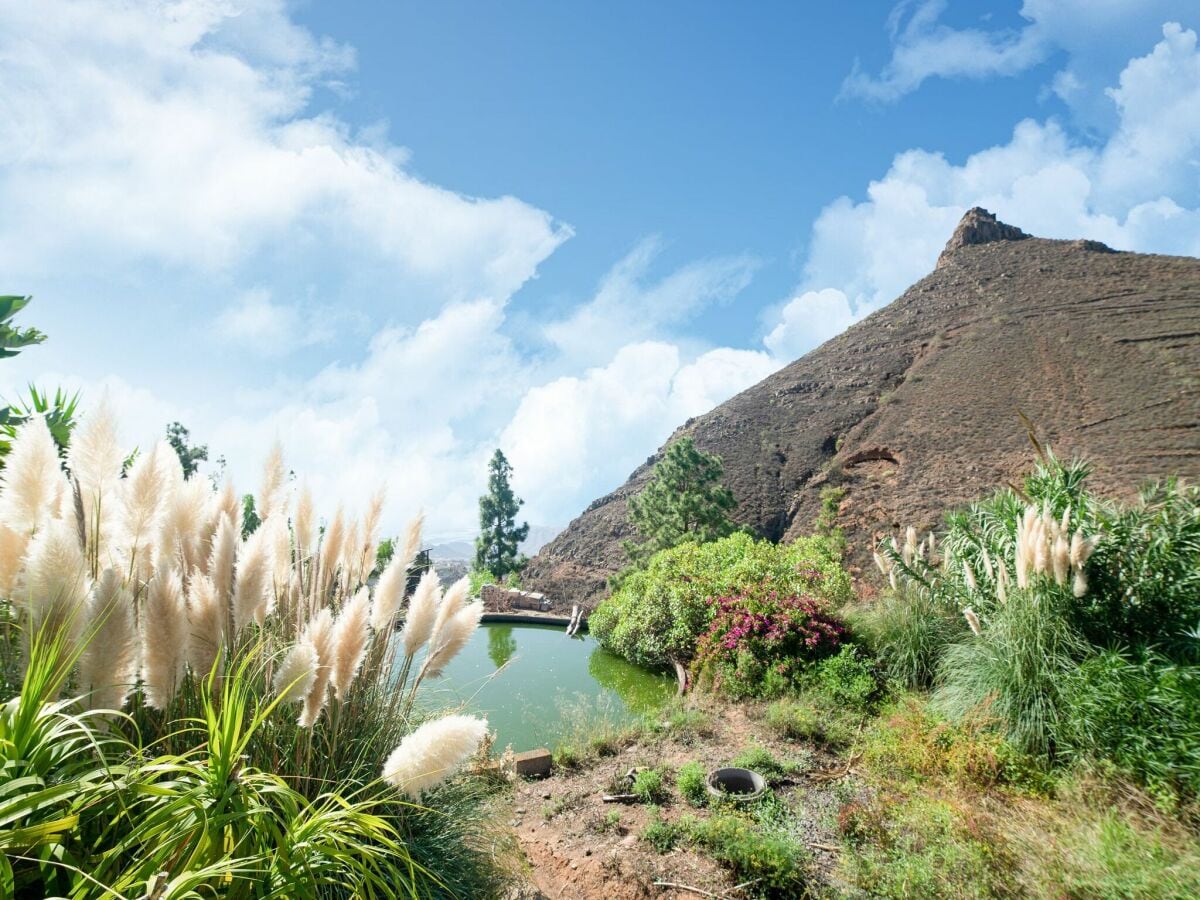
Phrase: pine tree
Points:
(683, 501)
(496, 548)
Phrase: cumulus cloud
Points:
(178, 133)
(1094, 36)
(628, 307)
(1136, 190)
(576, 432)
(809, 320)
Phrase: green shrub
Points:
(774, 864)
(691, 782)
(659, 613)
(908, 629)
(650, 785)
(1143, 713)
(1017, 669)
(759, 759)
(848, 679)
(662, 835)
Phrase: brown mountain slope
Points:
(915, 409)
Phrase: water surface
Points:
(534, 683)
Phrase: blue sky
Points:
(396, 235)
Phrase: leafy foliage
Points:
(690, 780)
(190, 456)
(683, 501)
(250, 519)
(58, 411)
(14, 339)
(497, 549)
(660, 612)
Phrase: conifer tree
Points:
(683, 501)
(496, 548)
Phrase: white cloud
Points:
(1137, 190)
(176, 133)
(626, 308)
(1095, 36)
(577, 432)
(809, 320)
(257, 323)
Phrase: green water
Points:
(549, 683)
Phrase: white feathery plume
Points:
(319, 632)
(1079, 584)
(987, 565)
(412, 539)
(32, 476)
(433, 752)
(1082, 547)
(452, 602)
(207, 615)
(910, 545)
(422, 612)
(13, 545)
(178, 543)
(331, 547)
(143, 499)
(389, 591)
(304, 525)
(879, 563)
(271, 493)
(95, 460)
(295, 676)
(229, 503)
(969, 576)
(281, 551)
(350, 558)
(370, 532)
(1002, 584)
(453, 637)
(222, 558)
(108, 665)
(164, 638)
(973, 621)
(54, 584)
(350, 642)
(171, 466)
(253, 579)
(1061, 559)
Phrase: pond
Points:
(549, 683)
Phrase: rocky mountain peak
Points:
(979, 226)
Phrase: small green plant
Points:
(849, 679)
(761, 760)
(610, 822)
(660, 834)
(690, 781)
(771, 863)
(650, 785)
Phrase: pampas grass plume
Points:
(294, 678)
(973, 621)
(54, 582)
(207, 615)
(969, 576)
(422, 613)
(433, 752)
(320, 633)
(109, 663)
(304, 525)
(270, 494)
(32, 476)
(452, 602)
(412, 539)
(253, 579)
(453, 637)
(389, 591)
(350, 642)
(13, 545)
(164, 638)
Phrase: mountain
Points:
(464, 548)
(918, 407)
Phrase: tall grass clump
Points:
(226, 715)
(1069, 619)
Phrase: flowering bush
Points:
(761, 644)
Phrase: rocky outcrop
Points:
(918, 407)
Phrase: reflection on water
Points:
(547, 679)
(502, 646)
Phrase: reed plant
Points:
(264, 679)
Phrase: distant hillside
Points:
(464, 549)
(915, 409)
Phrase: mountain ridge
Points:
(918, 407)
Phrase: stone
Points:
(533, 763)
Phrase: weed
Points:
(650, 785)
(660, 834)
(691, 782)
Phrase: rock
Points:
(1097, 348)
(533, 763)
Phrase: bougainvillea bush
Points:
(761, 645)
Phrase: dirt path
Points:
(579, 847)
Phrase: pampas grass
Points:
(164, 638)
(432, 753)
(319, 632)
(271, 493)
(13, 545)
(207, 615)
(32, 478)
(296, 674)
(53, 585)
(253, 579)
(452, 637)
(389, 591)
(108, 666)
(350, 642)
